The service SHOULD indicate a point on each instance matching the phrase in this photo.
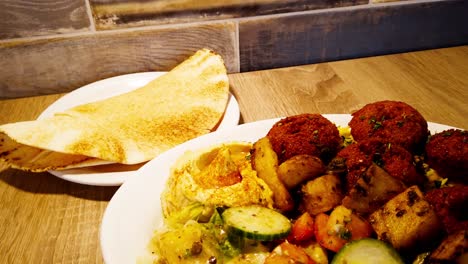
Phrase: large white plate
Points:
(134, 212)
(116, 174)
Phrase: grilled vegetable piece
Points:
(265, 162)
(299, 169)
(406, 221)
(342, 226)
(316, 252)
(286, 253)
(321, 194)
(453, 249)
(256, 222)
(302, 229)
(194, 243)
(367, 250)
(372, 190)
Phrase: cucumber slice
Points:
(256, 222)
(367, 250)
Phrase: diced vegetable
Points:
(299, 169)
(287, 253)
(454, 248)
(265, 162)
(316, 252)
(321, 194)
(191, 212)
(302, 229)
(193, 243)
(407, 220)
(372, 190)
(367, 251)
(341, 227)
(256, 222)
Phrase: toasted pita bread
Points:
(131, 128)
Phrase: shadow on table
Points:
(45, 183)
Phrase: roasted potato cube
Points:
(406, 221)
(452, 249)
(299, 169)
(265, 162)
(321, 194)
(372, 190)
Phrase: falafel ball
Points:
(450, 206)
(394, 159)
(310, 134)
(395, 122)
(447, 154)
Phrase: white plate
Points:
(134, 212)
(116, 174)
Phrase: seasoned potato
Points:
(265, 162)
(453, 249)
(321, 194)
(406, 221)
(372, 190)
(299, 169)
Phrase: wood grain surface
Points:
(110, 14)
(63, 64)
(46, 17)
(44, 219)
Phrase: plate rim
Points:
(232, 114)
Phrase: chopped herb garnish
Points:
(377, 124)
(447, 134)
(377, 159)
(345, 234)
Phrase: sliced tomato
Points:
(334, 231)
(302, 229)
(322, 235)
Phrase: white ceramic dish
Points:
(116, 174)
(135, 210)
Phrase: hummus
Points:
(219, 176)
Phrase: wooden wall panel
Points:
(110, 14)
(275, 42)
(63, 64)
(36, 18)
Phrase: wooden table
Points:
(44, 219)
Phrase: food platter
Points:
(116, 174)
(134, 212)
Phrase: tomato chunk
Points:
(340, 227)
(302, 229)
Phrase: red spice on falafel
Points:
(447, 154)
(310, 134)
(393, 121)
(394, 159)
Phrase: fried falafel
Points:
(447, 154)
(394, 159)
(310, 134)
(395, 122)
(449, 204)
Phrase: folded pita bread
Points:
(131, 128)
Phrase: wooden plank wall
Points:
(57, 46)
